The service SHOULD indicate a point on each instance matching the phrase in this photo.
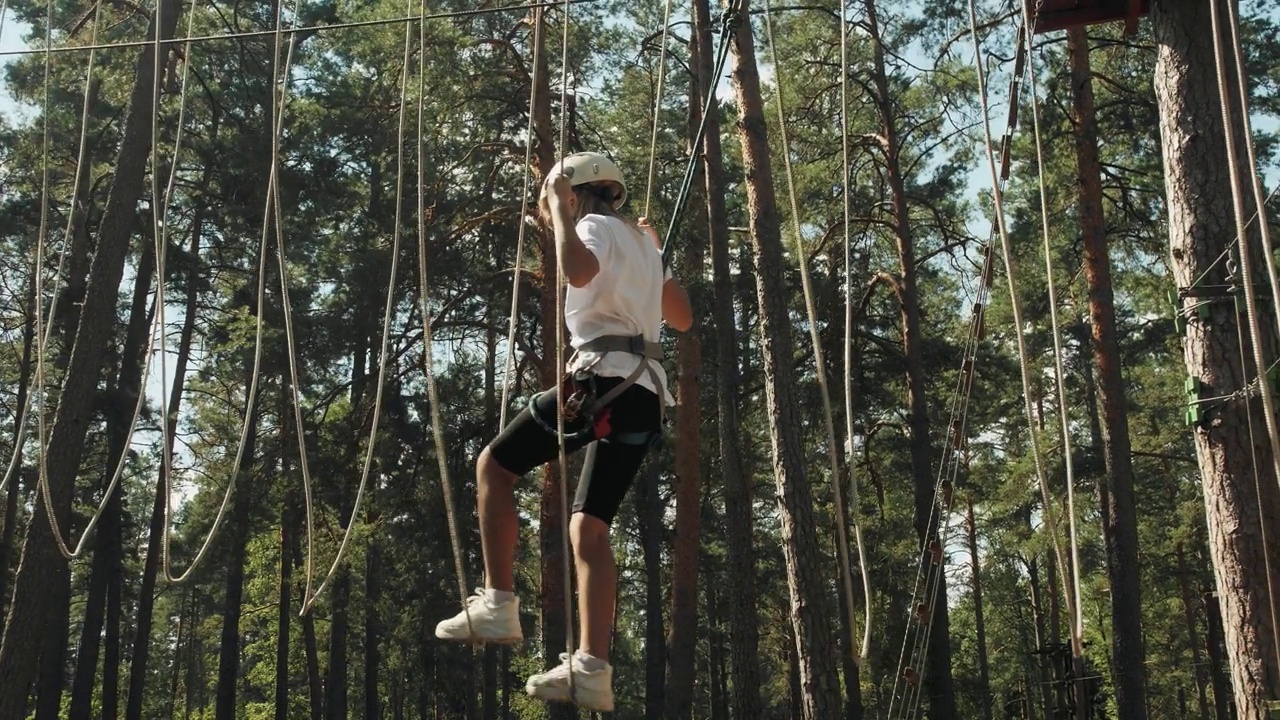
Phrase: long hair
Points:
(593, 199)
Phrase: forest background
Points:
(406, 142)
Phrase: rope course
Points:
(251, 398)
(908, 685)
(1246, 261)
(997, 196)
(296, 30)
(842, 545)
(1073, 587)
(44, 330)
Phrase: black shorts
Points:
(616, 443)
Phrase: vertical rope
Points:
(657, 105)
(433, 396)
(815, 337)
(1246, 261)
(561, 454)
(508, 368)
(1016, 306)
(277, 110)
(865, 650)
(1077, 628)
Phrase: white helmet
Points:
(588, 167)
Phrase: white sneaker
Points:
(591, 690)
(490, 623)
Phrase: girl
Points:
(615, 392)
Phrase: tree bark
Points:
(1119, 520)
(810, 611)
(744, 641)
(43, 574)
(1201, 228)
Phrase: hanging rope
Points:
(508, 368)
(309, 29)
(815, 337)
(865, 649)
(657, 105)
(159, 210)
(44, 330)
(388, 314)
(424, 293)
(1077, 639)
(1246, 261)
(686, 185)
(277, 120)
(562, 455)
(997, 196)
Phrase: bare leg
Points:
(499, 525)
(597, 580)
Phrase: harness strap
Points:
(650, 352)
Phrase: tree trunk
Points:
(106, 553)
(649, 512)
(979, 622)
(1201, 228)
(315, 687)
(151, 565)
(238, 541)
(1193, 632)
(15, 482)
(810, 611)
(1041, 648)
(744, 641)
(682, 641)
(43, 574)
(51, 660)
(175, 674)
(1223, 707)
(1119, 521)
(335, 705)
(937, 672)
(284, 614)
(372, 629)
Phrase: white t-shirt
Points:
(624, 298)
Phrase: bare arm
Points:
(578, 264)
(677, 312)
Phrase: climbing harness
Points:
(586, 408)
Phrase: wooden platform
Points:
(1063, 14)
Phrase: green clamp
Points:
(1273, 709)
(1194, 414)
